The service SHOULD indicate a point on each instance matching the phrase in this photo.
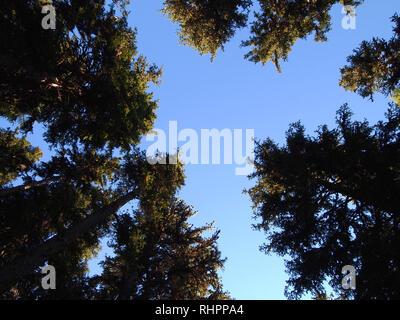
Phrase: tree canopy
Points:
(159, 255)
(374, 66)
(277, 25)
(332, 200)
(324, 201)
(85, 72)
(85, 83)
(207, 25)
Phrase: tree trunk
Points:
(22, 266)
(24, 187)
(366, 197)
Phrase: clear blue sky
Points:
(236, 94)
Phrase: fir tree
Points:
(208, 25)
(374, 66)
(332, 200)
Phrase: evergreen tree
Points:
(84, 81)
(17, 156)
(332, 200)
(208, 25)
(160, 255)
(86, 85)
(374, 67)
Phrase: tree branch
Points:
(22, 266)
(6, 192)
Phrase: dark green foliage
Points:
(85, 83)
(374, 67)
(53, 210)
(332, 200)
(69, 193)
(71, 79)
(159, 255)
(208, 25)
(17, 156)
(279, 24)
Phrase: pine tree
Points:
(160, 255)
(84, 80)
(374, 66)
(17, 156)
(86, 85)
(208, 25)
(332, 200)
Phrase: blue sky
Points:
(234, 93)
(237, 94)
